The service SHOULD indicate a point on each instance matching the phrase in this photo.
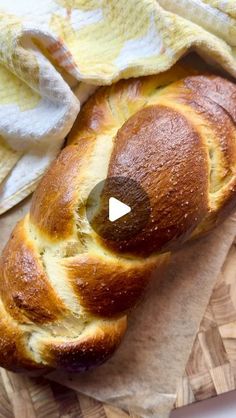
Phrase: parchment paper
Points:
(143, 375)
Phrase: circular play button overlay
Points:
(118, 208)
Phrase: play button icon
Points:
(117, 209)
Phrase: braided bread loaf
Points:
(65, 292)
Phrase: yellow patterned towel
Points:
(53, 53)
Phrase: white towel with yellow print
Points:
(53, 53)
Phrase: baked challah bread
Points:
(65, 291)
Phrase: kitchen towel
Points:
(53, 54)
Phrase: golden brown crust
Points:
(25, 290)
(14, 354)
(10, 341)
(106, 286)
(53, 204)
(95, 116)
(160, 155)
(217, 89)
(93, 349)
(64, 290)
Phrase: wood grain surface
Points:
(211, 369)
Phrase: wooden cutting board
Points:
(211, 369)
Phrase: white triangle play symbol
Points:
(117, 209)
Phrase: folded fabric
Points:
(54, 52)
